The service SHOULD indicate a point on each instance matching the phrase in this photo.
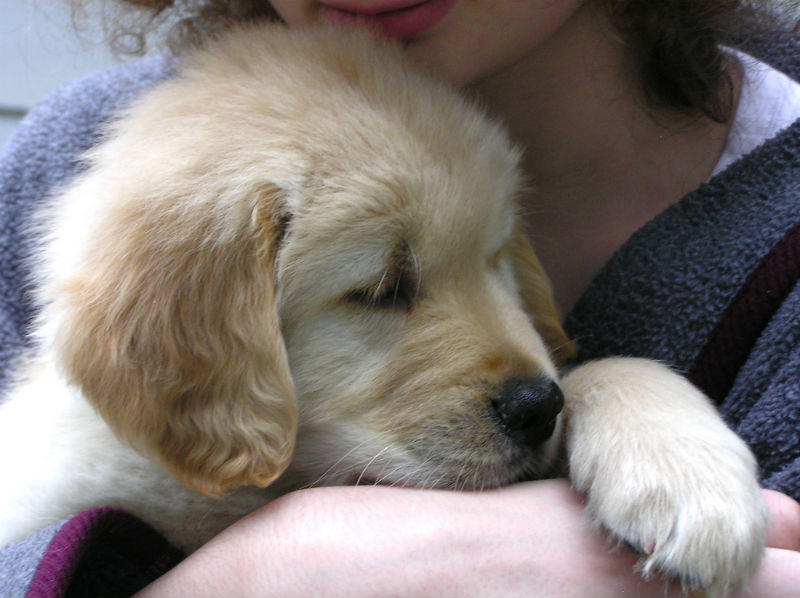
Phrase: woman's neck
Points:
(601, 160)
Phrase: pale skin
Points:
(557, 73)
(530, 539)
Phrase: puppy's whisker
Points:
(389, 471)
(390, 474)
(444, 476)
(371, 461)
(433, 477)
(379, 480)
(332, 469)
(379, 288)
(396, 291)
(555, 348)
(402, 480)
(417, 270)
(529, 210)
(423, 469)
(411, 473)
(403, 474)
(460, 482)
(476, 483)
(436, 482)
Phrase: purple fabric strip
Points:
(113, 529)
(729, 344)
(65, 551)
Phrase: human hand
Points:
(779, 574)
(527, 539)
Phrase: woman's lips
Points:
(401, 19)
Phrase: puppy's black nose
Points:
(527, 409)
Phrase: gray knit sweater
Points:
(710, 286)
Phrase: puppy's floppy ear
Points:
(537, 298)
(171, 330)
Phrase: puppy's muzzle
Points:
(528, 408)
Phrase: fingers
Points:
(779, 576)
(783, 530)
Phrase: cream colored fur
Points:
(298, 263)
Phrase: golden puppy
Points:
(298, 262)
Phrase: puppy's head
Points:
(302, 220)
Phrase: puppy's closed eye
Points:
(394, 291)
(397, 288)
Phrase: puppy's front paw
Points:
(706, 533)
(665, 475)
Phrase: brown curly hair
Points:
(676, 43)
(677, 47)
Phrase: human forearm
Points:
(529, 539)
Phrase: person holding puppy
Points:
(664, 201)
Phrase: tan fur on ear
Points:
(171, 331)
(537, 298)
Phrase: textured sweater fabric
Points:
(710, 287)
(41, 156)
